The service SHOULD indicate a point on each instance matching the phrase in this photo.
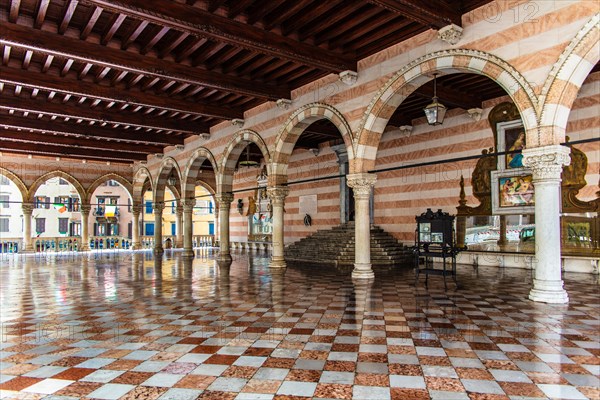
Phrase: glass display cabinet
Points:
(434, 238)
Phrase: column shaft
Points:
(135, 227)
(188, 207)
(158, 210)
(224, 200)
(277, 195)
(361, 184)
(180, 228)
(85, 231)
(27, 243)
(546, 164)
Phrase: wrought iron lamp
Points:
(435, 111)
(248, 162)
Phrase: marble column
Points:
(362, 183)
(27, 242)
(277, 195)
(188, 227)
(179, 237)
(502, 241)
(158, 210)
(546, 164)
(217, 224)
(85, 232)
(135, 227)
(224, 200)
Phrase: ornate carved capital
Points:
(136, 209)
(27, 208)
(224, 199)
(361, 183)
(85, 209)
(450, 34)
(278, 194)
(158, 208)
(546, 162)
(188, 205)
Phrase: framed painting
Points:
(511, 139)
(513, 192)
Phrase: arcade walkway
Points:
(121, 325)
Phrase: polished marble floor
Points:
(120, 325)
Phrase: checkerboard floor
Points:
(125, 326)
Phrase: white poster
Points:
(308, 205)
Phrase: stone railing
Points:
(56, 244)
(109, 242)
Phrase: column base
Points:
(548, 292)
(224, 258)
(277, 262)
(188, 253)
(84, 248)
(362, 271)
(26, 251)
(136, 246)
(158, 250)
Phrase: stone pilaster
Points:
(188, 208)
(362, 184)
(85, 232)
(27, 243)
(224, 200)
(277, 195)
(546, 164)
(135, 227)
(158, 210)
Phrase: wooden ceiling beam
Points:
(198, 22)
(82, 51)
(172, 45)
(41, 13)
(333, 17)
(287, 11)
(68, 11)
(89, 132)
(94, 14)
(69, 151)
(113, 26)
(87, 89)
(309, 15)
(135, 31)
(13, 133)
(90, 114)
(154, 39)
(14, 11)
(435, 15)
(238, 7)
(259, 12)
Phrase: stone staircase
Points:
(336, 247)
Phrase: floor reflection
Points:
(87, 325)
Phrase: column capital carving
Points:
(136, 209)
(224, 199)
(278, 194)
(85, 209)
(188, 205)
(546, 162)
(361, 183)
(27, 208)
(159, 207)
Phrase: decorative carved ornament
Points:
(278, 194)
(547, 162)
(362, 183)
(450, 34)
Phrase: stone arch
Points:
(420, 71)
(232, 153)
(168, 164)
(142, 180)
(110, 176)
(192, 169)
(297, 123)
(14, 178)
(565, 80)
(57, 174)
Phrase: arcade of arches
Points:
(372, 171)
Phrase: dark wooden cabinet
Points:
(435, 239)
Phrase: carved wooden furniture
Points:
(434, 238)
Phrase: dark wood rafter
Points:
(436, 15)
(114, 78)
(18, 36)
(198, 22)
(45, 124)
(68, 151)
(10, 132)
(70, 111)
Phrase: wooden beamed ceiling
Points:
(117, 80)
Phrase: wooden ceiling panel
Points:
(167, 69)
